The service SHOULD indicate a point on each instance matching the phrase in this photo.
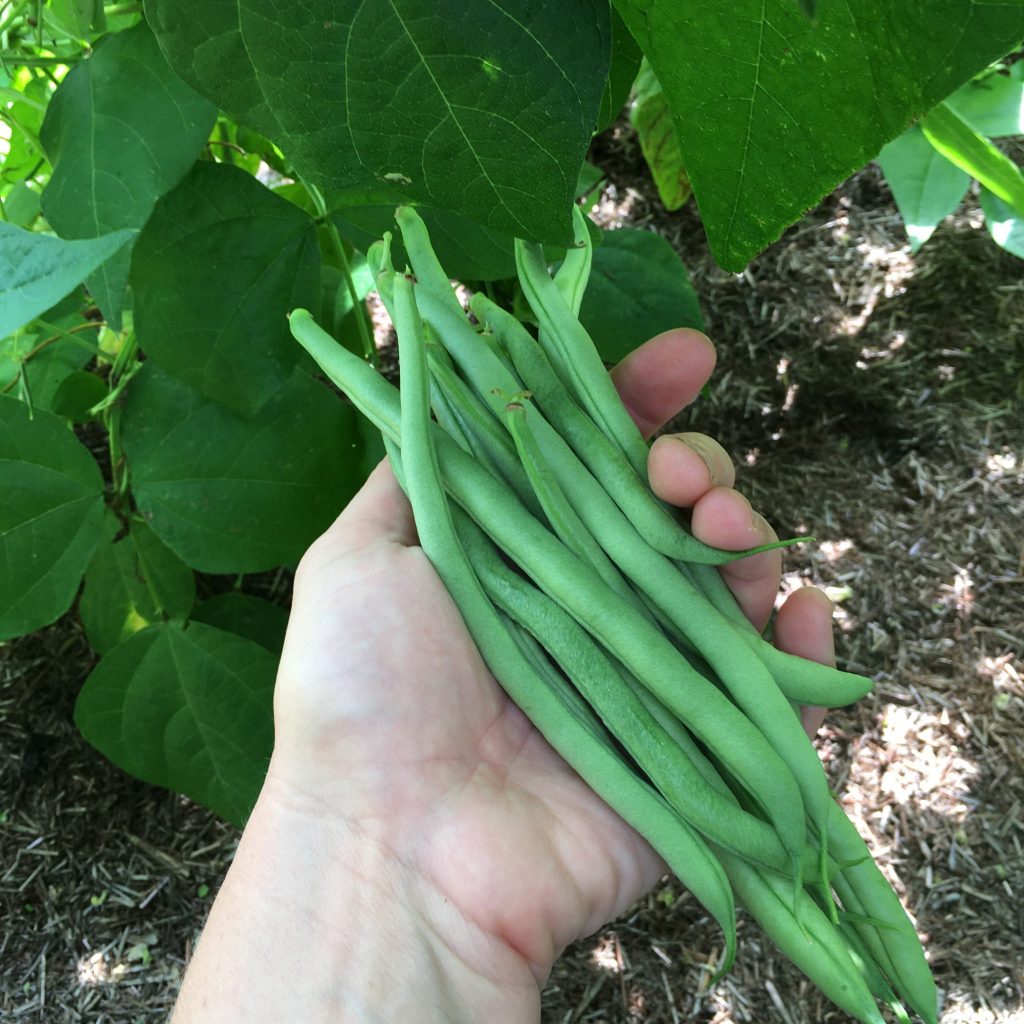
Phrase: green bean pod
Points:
(585, 374)
(801, 680)
(572, 276)
(561, 516)
(896, 947)
(486, 439)
(799, 928)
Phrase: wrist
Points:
(318, 920)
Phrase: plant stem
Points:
(19, 60)
(113, 10)
(338, 249)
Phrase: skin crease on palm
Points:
(389, 726)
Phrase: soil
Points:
(872, 400)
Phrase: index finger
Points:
(663, 376)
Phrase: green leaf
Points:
(72, 17)
(188, 708)
(220, 264)
(1004, 225)
(926, 186)
(773, 110)
(638, 288)
(993, 104)
(652, 120)
(245, 615)
(485, 110)
(51, 517)
(466, 250)
(21, 205)
(76, 394)
(133, 581)
(959, 143)
(46, 352)
(24, 111)
(38, 270)
(121, 130)
(625, 64)
(235, 495)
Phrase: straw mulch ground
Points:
(872, 400)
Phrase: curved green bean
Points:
(804, 934)
(585, 375)
(896, 947)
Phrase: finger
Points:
(663, 376)
(804, 627)
(379, 511)
(723, 518)
(682, 468)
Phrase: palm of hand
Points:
(427, 750)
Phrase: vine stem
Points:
(112, 10)
(338, 250)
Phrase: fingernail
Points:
(696, 445)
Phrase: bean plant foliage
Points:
(178, 176)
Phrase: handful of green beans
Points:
(606, 621)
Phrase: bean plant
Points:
(178, 176)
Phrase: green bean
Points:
(896, 946)
(604, 460)
(561, 516)
(574, 585)
(577, 358)
(572, 276)
(486, 439)
(804, 934)
(876, 980)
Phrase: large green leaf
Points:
(23, 111)
(625, 63)
(188, 708)
(51, 517)
(235, 495)
(926, 186)
(42, 355)
(773, 110)
(652, 120)
(466, 250)
(38, 270)
(121, 130)
(1004, 225)
(219, 266)
(132, 582)
(483, 107)
(959, 143)
(993, 104)
(249, 616)
(638, 288)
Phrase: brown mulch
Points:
(871, 400)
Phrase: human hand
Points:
(385, 710)
(400, 762)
